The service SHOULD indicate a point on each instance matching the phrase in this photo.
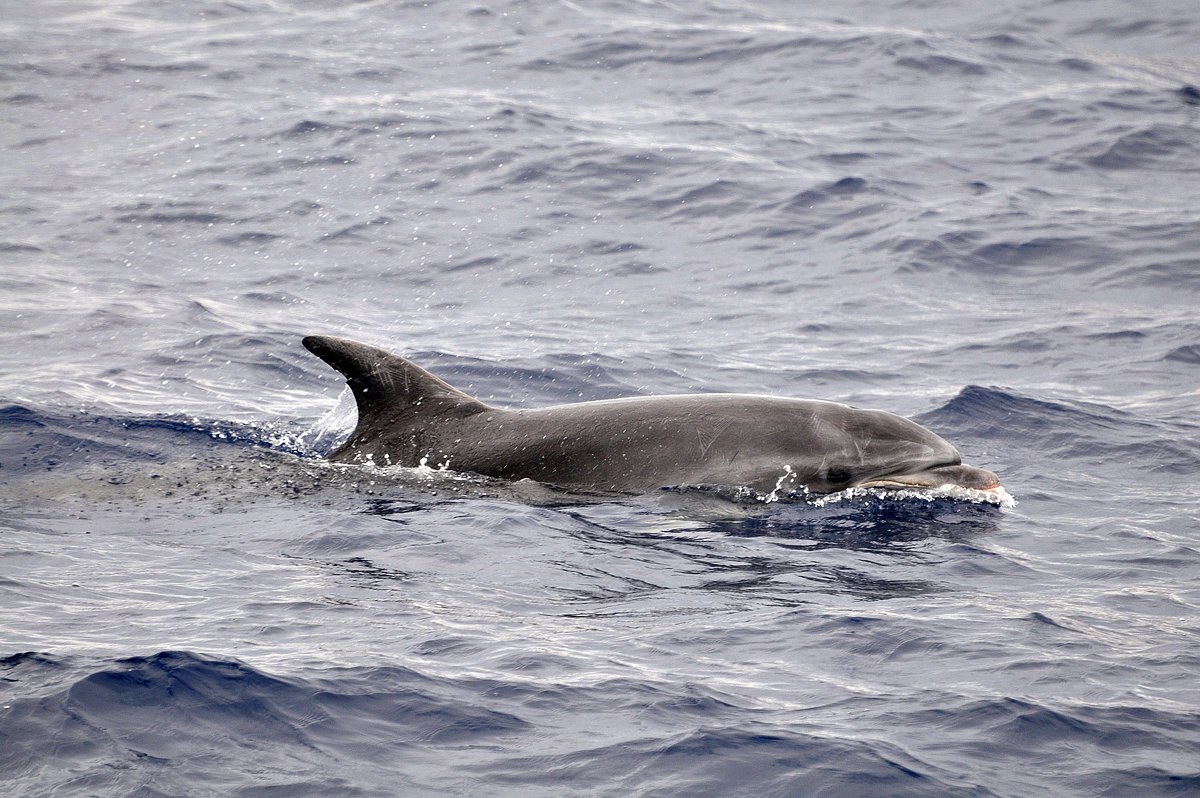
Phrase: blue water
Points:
(985, 217)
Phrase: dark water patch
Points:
(1006, 728)
(535, 172)
(1118, 29)
(1156, 146)
(273, 357)
(1080, 430)
(307, 128)
(716, 761)
(34, 440)
(250, 239)
(393, 509)
(13, 660)
(304, 208)
(1077, 64)
(358, 231)
(612, 247)
(699, 49)
(1118, 336)
(718, 198)
(458, 647)
(1124, 102)
(285, 165)
(18, 248)
(116, 65)
(170, 212)
(188, 718)
(1041, 252)
(206, 219)
(1042, 618)
(1015, 723)
(22, 666)
(274, 298)
(366, 127)
(1189, 354)
(942, 65)
(1004, 40)
(860, 584)
(867, 520)
(846, 158)
(1149, 780)
(993, 412)
(1176, 274)
(484, 161)
(21, 98)
(474, 265)
(839, 189)
(59, 456)
(36, 141)
(947, 251)
(685, 701)
(365, 571)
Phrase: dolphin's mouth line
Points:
(937, 476)
(925, 478)
(898, 482)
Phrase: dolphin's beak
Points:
(964, 476)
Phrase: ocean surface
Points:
(985, 217)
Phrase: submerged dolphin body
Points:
(407, 416)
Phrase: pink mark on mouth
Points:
(999, 492)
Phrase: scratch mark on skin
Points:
(707, 435)
(386, 377)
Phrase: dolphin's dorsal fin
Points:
(387, 386)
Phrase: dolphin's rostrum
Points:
(407, 416)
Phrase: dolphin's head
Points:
(884, 450)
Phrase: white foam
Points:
(333, 427)
(997, 496)
(788, 475)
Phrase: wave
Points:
(1068, 429)
(55, 457)
(1154, 147)
(182, 723)
(721, 761)
(43, 439)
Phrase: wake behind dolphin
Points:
(407, 416)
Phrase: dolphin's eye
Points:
(837, 476)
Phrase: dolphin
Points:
(407, 417)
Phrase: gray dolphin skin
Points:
(407, 416)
